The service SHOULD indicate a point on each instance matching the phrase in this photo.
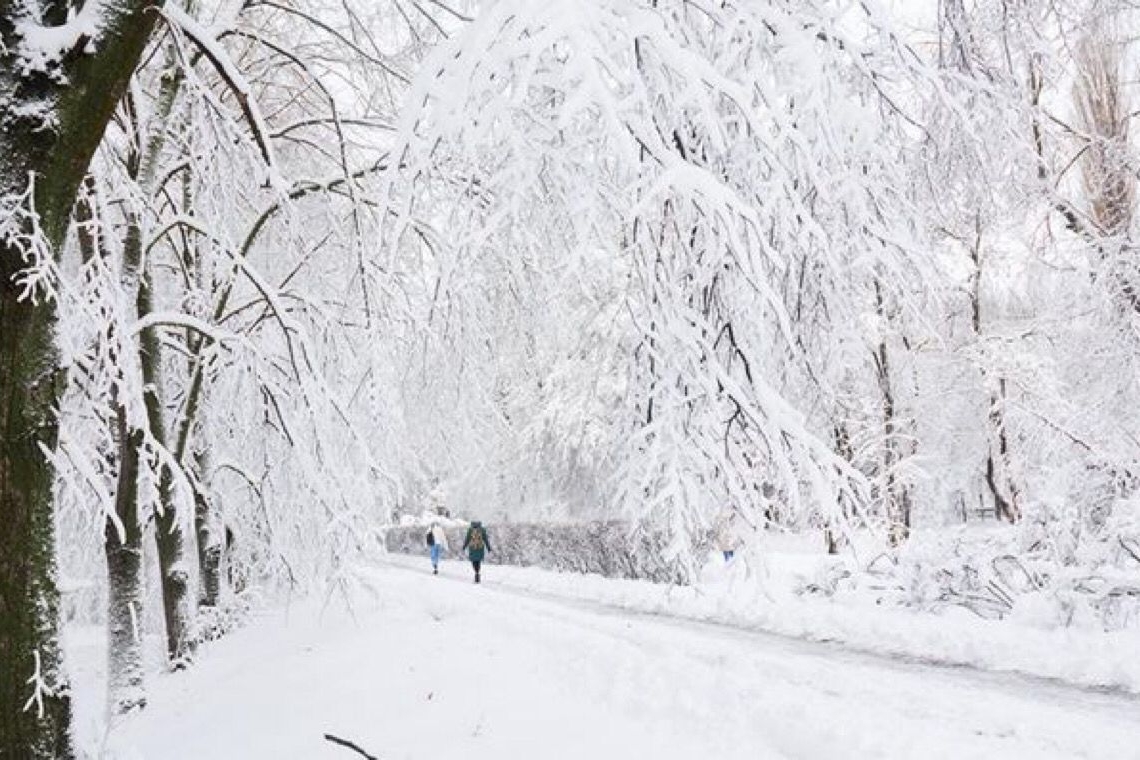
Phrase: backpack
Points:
(476, 541)
(430, 539)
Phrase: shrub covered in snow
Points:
(609, 548)
(232, 612)
(1008, 573)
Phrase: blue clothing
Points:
(728, 554)
(436, 550)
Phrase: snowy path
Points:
(433, 666)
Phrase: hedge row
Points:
(604, 547)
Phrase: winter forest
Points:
(812, 320)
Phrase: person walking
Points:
(437, 542)
(476, 544)
(728, 535)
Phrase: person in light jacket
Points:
(476, 544)
(438, 545)
(728, 534)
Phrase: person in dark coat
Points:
(476, 544)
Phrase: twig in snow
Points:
(1134, 551)
(350, 745)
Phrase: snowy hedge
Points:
(603, 547)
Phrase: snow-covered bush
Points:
(231, 613)
(999, 574)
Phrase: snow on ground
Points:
(766, 598)
(430, 666)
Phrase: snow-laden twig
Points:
(178, 319)
(206, 41)
(40, 688)
(21, 231)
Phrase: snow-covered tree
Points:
(63, 68)
(739, 174)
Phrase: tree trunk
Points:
(122, 533)
(831, 534)
(192, 451)
(177, 603)
(209, 538)
(998, 465)
(29, 600)
(896, 495)
(125, 672)
(53, 140)
(998, 462)
(142, 164)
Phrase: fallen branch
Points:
(1130, 546)
(350, 745)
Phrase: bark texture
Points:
(29, 599)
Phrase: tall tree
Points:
(63, 68)
(968, 218)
